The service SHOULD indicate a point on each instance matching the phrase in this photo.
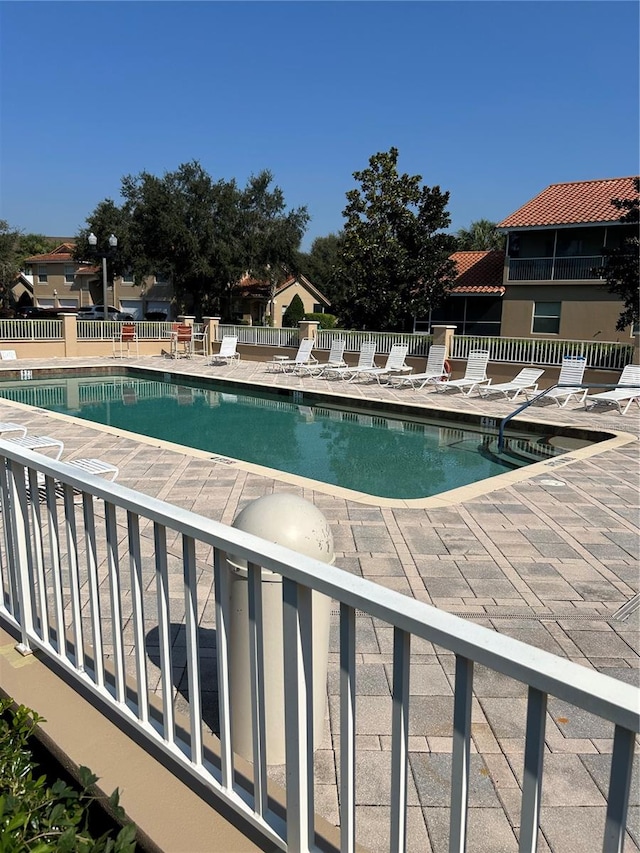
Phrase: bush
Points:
(326, 321)
(36, 816)
(294, 313)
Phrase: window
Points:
(42, 274)
(318, 309)
(127, 277)
(546, 317)
(69, 273)
(162, 278)
(472, 315)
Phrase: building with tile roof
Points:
(553, 279)
(253, 302)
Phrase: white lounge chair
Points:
(395, 364)
(475, 374)
(10, 426)
(571, 375)
(526, 379)
(228, 353)
(630, 376)
(38, 442)
(287, 365)
(365, 359)
(434, 372)
(335, 359)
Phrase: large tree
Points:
(621, 269)
(270, 236)
(320, 264)
(394, 259)
(481, 235)
(9, 261)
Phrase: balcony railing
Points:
(556, 269)
(65, 588)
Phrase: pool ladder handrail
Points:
(542, 393)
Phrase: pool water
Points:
(369, 452)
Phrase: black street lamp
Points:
(113, 242)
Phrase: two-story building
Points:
(55, 280)
(555, 244)
(549, 281)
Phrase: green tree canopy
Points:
(621, 269)
(9, 261)
(479, 236)
(203, 234)
(394, 263)
(320, 264)
(33, 244)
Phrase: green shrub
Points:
(326, 321)
(38, 817)
(294, 313)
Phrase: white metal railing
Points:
(107, 330)
(556, 269)
(266, 336)
(599, 354)
(63, 569)
(30, 330)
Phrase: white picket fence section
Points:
(88, 570)
(30, 330)
(599, 354)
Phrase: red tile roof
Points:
(64, 252)
(573, 203)
(479, 272)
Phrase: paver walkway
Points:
(548, 560)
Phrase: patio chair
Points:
(10, 426)
(571, 375)
(182, 334)
(38, 442)
(126, 337)
(365, 359)
(526, 379)
(335, 359)
(630, 377)
(436, 371)
(475, 374)
(395, 364)
(287, 365)
(228, 353)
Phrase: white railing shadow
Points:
(89, 570)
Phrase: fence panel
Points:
(599, 354)
(30, 330)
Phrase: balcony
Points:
(556, 269)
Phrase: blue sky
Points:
(491, 101)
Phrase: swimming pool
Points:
(369, 451)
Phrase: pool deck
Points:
(547, 557)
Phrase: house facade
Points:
(55, 280)
(547, 284)
(555, 247)
(253, 302)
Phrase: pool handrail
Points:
(540, 394)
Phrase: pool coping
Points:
(450, 497)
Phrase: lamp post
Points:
(113, 242)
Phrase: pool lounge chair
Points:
(395, 364)
(365, 359)
(227, 353)
(475, 374)
(571, 374)
(630, 376)
(434, 371)
(526, 379)
(335, 359)
(288, 365)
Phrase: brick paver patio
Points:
(548, 559)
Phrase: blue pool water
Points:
(369, 452)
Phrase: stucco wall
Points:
(588, 312)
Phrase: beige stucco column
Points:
(211, 325)
(70, 334)
(186, 319)
(636, 349)
(443, 336)
(308, 329)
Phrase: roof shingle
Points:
(573, 203)
(479, 272)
